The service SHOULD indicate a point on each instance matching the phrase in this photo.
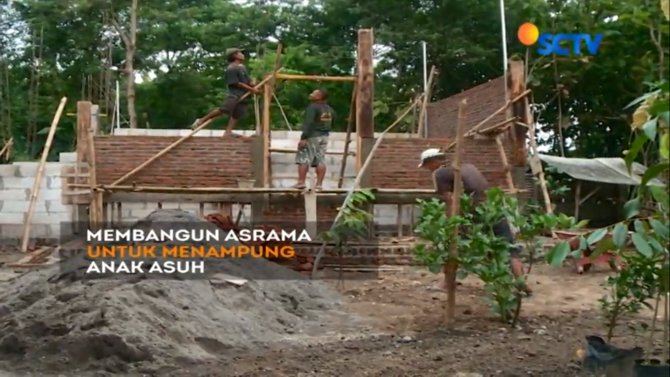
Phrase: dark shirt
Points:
(318, 120)
(474, 182)
(235, 74)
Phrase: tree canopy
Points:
(80, 48)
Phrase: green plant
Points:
(351, 226)
(647, 272)
(480, 251)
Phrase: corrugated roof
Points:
(603, 170)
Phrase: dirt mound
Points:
(61, 321)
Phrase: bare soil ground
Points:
(400, 333)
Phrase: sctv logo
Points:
(550, 43)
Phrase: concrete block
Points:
(187, 206)
(16, 182)
(16, 206)
(280, 135)
(54, 183)
(8, 170)
(53, 169)
(58, 207)
(141, 213)
(49, 194)
(283, 143)
(51, 218)
(11, 233)
(7, 218)
(68, 157)
(282, 158)
(27, 169)
(8, 194)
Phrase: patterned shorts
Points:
(314, 152)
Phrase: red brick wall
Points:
(483, 100)
(197, 162)
(395, 162)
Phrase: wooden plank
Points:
(283, 76)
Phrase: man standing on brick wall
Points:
(475, 184)
(239, 83)
(314, 139)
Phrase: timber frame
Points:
(104, 200)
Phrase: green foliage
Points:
(181, 45)
(353, 224)
(480, 251)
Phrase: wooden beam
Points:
(96, 207)
(365, 97)
(284, 76)
(503, 159)
(38, 177)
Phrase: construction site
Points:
(56, 321)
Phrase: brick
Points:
(8, 170)
(197, 162)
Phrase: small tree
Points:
(481, 252)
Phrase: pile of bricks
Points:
(302, 263)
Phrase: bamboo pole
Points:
(476, 128)
(6, 148)
(451, 267)
(284, 76)
(178, 142)
(358, 180)
(503, 158)
(536, 164)
(347, 139)
(40, 171)
(424, 103)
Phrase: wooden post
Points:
(451, 267)
(365, 120)
(96, 208)
(347, 139)
(267, 101)
(38, 178)
(424, 105)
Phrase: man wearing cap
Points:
(475, 184)
(239, 83)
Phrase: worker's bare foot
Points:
(299, 186)
(318, 187)
(231, 134)
(196, 123)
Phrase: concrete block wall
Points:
(50, 214)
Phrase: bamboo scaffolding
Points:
(451, 267)
(178, 142)
(357, 182)
(424, 103)
(347, 140)
(283, 76)
(40, 171)
(476, 128)
(498, 127)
